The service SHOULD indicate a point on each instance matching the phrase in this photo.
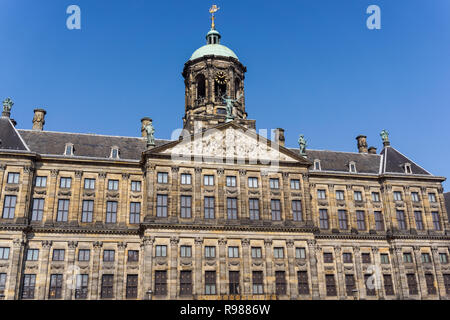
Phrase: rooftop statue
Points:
(230, 104)
(384, 135)
(150, 134)
(302, 144)
(7, 105)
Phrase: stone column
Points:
(266, 198)
(42, 277)
(378, 274)
(307, 204)
(246, 276)
(71, 280)
(122, 219)
(340, 273)
(443, 215)
(198, 266)
(95, 276)
(150, 188)
(286, 197)
(51, 200)
(427, 219)
(121, 267)
(332, 209)
(423, 291)
(359, 281)
(438, 272)
(173, 274)
(15, 275)
(222, 266)
(197, 201)
(409, 209)
(243, 196)
(293, 284)
(100, 212)
(313, 250)
(174, 196)
(398, 272)
(388, 206)
(270, 277)
(75, 212)
(221, 207)
(23, 199)
(146, 263)
(371, 225)
(2, 176)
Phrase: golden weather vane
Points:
(213, 10)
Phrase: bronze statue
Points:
(150, 134)
(302, 144)
(230, 104)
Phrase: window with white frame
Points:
(375, 196)
(186, 179)
(114, 153)
(300, 253)
(65, 183)
(113, 185)
(408, 168)
(352, 167)
(415, 196)
(253, 182)
(358, 195)
(161, 251)
(317, 165)
(41, 182)
(68, 149)
(321, 194)
(233, 252)
(136, 186)
(398, 196)
(274, 183)
(231, 181)
(163, 177)
(208, 180)
(89, 184)
(340, 195)
(295, 184)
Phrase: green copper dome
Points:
(213, 47)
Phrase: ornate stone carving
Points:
(97, 245)
(28, 169)
(102, 175)
(175, 169)
(198, 170)
(12, 189)
(150, 167)
(125, 176)
(47, 244)
(290, 243)
(331, 187)
(220, 171)
(174, 241)
(122, 245)
(264, 173)
(64, 193)
(72, 244)
(286, 175)
(54, 172)
(40, 192)
(147, 241)
(78, 174)
(337, 249)
(305, 177)
(375, 249)
(2, 167)
(245, 242)
(198, 241)
(222, 242)
(242, 172)
(268, 242)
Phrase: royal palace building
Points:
(223, 212)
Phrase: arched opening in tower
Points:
(220, 90)
(201, 87)
(237, 88)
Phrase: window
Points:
(330, 285)
(135, 212)
(256, 253)
(136, 186)
(114, 153)
(161, 251)
(300, 253)
(358, 195)
(63, 210)
(321, 194)
(185, 283)
(327, 257)
(13, 178)
(370, 285)
(160, 283)
(426, 258)
(161, 205)
(186, 178)
(233, 252)
(89, 184)
(412, 283)
(209, 207)
(84, 254)
(82, 288)
(4, 253)
(340, 196)
(40, 182)
(360, 220)
(419, 221)
(317, 165)
(258, 282)
(68, 150)
(254, 209)
(429, 279)
(415, 196)
(234, 282)
(436, 222)
(208, 180)
(28, 286)
(275, 206)
(408, 168)
(107, 286)
(323, 219)
(231, 181)
(379, 222)
(210, 252)
(352, 167)
(343, 221)
(111, 212)
(447, 283)
(163, 177)
(407, 257)
(65, 183)
(132, 286)
(365, 257)
(397, 196)
(32, 254)
(350, 284)
(113, 185)
(303, 285)
(186, 206)
(375, 197)
(210, 282)
(278, 253)
(38, 210)
(133, 255)
(253, 182)
(2, 282)
(9, 207)
(384, 257)
(274, 183)
(388, 285)
(108, 255)
(55, 291)
(432, 197)
(443, 257)
(58, 254)
(295, 184)
(401, 220)
(347, 257)
(186, 251)
(280, 283)
(297, 210)
(232, 208)
(88, 210)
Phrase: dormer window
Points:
(68, 150)
(317, 165)
(352, 167)
(114, 153)
(408, 168)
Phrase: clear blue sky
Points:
(313, 68)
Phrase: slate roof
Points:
(85, 145)
(9, 137)
(447, 203)
(394, 162)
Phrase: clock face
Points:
(221, 77)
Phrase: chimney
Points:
(144, 121)
(362, 144)
(279, 136)
(372, 150)
(39, 119)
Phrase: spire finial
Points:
(385, 137)
(7, 105)
(213, 10)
